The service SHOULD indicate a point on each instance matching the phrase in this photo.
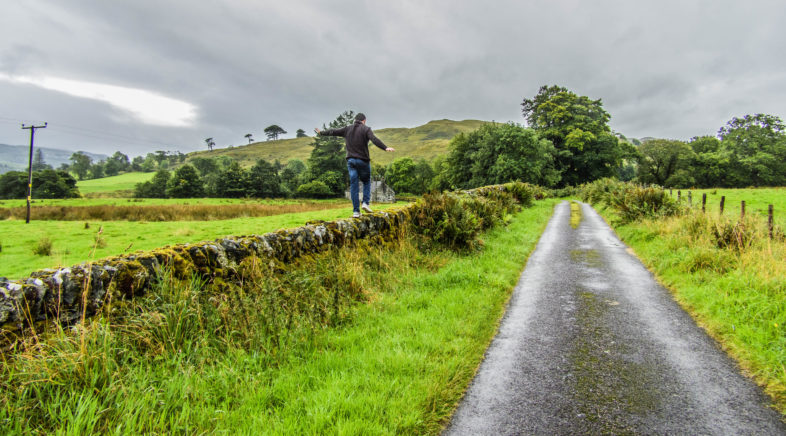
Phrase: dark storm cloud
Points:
(666, 68)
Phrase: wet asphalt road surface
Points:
(591, 344)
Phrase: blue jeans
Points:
(359, 170)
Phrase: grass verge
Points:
(202, 362)
(730, 277)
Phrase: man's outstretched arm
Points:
(378, 142)
(331, 132)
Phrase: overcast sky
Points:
(141, 75)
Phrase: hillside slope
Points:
(15, 157)
(427, 141)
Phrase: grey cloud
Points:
(666, 68)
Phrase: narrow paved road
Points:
(591, 344)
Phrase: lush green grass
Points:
(122, 182)
(427, 141)
(756, 200)
(396, 365)
(738, 294)
(72, 243)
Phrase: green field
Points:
(72, 243)
(427, 141)
(398, 363)
(756, 200)
(123, 182)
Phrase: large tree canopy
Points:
(273, 132)
(47, 183)
(666, 163)
(586, 149)
(499, 153)
(755, 148)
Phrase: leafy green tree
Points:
(665, 163)
(263, 180)
(274, 131)
(499, 153)
(149, 164)
(185, 183)
(155, 187)
(291, 176)
(210, 143)
(116, 163)
(160, 156)
(400, 175)
(204, 165)
(704, 144)
(232, 182)
(97, 170)
(13, 184)
(300, 133)
(755, 146)
(334, 180)
(405, 175)
(315, 189)
(709, 166)
(378, 171)
(47, 183)
(249, 137)
(54, 184)
(586, 149)
(442, 171)
(80, 164)
(38, 161)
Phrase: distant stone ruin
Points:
(380, 192)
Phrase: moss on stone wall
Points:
(65, 295)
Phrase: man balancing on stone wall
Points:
(356, 137)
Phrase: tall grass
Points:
(181, 212)
(630, 202)
(731, 277)
(373, 340)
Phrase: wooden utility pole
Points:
(30, 167)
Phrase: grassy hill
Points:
(427, 141)
(122, 184)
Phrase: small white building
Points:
(380, 192)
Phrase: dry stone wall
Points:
(67, 294)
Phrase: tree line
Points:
(747, 151)
(566, 141)
(84, 167)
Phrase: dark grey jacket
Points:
(356, 137)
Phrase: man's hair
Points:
(360, 116)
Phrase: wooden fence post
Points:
(742, 210)
(723, 200)
(690, 199)
(703, 202)
(769, 221)
(679, 196)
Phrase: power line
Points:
(88, 133)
